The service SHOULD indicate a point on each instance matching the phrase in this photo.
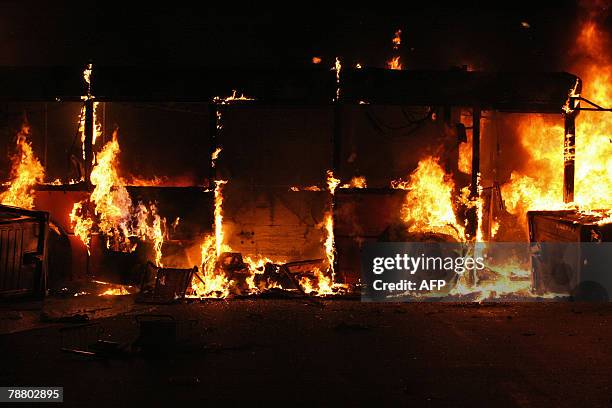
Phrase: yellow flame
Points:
(81, 225)
(332, 182)
(307, 188)
(428, 206)
(120, 291)
(540, 185)
(397, 39)
(219, 246)
(211, 282)
(26, 172)
(319, 285)
(116, 215)
(215, 156)
(394, 63)
(234, 97)
(337, 68)
(356, 182)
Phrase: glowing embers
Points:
(26, 172)
(111, 212)
(101, 288)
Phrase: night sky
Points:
(110, 33)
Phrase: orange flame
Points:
(120, 291)
(215, 156)
(328, 223)
(213, 282)
(26, 172)
(394, 62)
(210, 283)
(81, 224)
(116, 216)
(428, 206)
(356, 182)
(219, 245)
(539, 186)
(320, 285)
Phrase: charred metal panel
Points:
(361, 216)
(23, 236)
(279, 224)
(567, 226)
(564, 263)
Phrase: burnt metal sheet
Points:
(567, 226)
(566, 256)
(366, 212)
(362, 216)
(165, 285)
(23, 238)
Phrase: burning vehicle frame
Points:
(225, 272)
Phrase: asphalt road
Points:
(336, 353)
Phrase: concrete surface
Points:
(339, 352)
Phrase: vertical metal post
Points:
(337, 139)
(88, 142)
(214, 127)
(103, 123)
(569, 156)
(46, 135)
(338, 114)
(475, 151)
(336, 159)
(472, 215)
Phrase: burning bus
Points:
(392, 156)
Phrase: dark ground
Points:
(337, 353)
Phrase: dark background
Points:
(435, 35)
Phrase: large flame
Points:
(428, 206)
(539, 185)
(112, 200)
(320, 284)
(115, 215)
(81, 224)
(26, 172)
(211, 282)
(219, 234)
(328, 223)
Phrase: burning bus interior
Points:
(203, 230)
